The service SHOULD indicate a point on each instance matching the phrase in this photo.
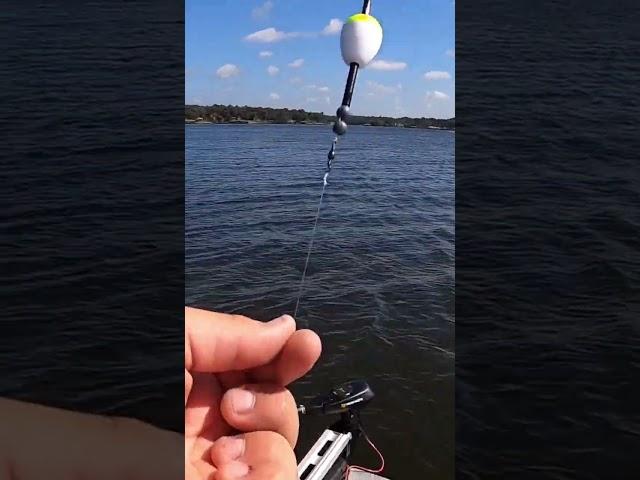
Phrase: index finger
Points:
(297, 357)
(218, 342)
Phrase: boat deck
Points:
(365, 476)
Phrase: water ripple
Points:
(379, 288)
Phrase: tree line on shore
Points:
(233, 113)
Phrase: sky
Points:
(286, 53)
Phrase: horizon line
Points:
(309, 111)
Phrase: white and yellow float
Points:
(360, 42)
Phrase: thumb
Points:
(218, 342)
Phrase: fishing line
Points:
(331, 156)
(360, 41)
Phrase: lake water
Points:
(380, 283)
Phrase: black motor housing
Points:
(349, 396)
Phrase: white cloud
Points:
(265, 54)
(437, 75)
(450, 53)
(317, 88)
(272, 70)
(387, 65)
(269, 35)
(262, 12)
(295, 81)
(376, 88)
(274, 96)
(326, 100)
(297, 63)
(436, 95)
(333, 27)
(227, 70)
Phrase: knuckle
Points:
(276, 442)
(288, 397)
(288, 403)
(284, 406)
(241, 318)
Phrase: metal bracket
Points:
(324, 454)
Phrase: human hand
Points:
(236, 369)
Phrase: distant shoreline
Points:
(250, 122)
(238, 115)
(188, 121)
(303, 124)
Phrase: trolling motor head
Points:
(335, 446)
(348, 397)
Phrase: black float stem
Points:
(351, 83)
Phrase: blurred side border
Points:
(547, 258)
(93, 208)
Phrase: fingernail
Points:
(242, 400)
(282, 319)
(236, 469)
(234, 447)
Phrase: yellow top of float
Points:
(362, 17)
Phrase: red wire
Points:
(363, 469)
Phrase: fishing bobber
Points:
(360, 42)
(361, 39)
